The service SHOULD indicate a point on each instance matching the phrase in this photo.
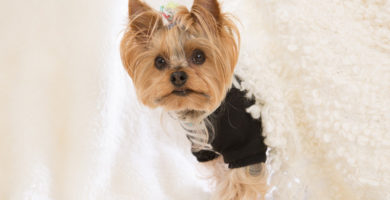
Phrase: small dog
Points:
(185, 64)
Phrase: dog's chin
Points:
(185, 102)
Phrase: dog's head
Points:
(185, 66)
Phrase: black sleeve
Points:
(204, 155)
(238, 137)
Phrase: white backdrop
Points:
(71, 127)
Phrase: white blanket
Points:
(71, 127)
(321, 73)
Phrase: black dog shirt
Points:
(237, 136)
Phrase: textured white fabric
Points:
(71, 127)
(321, 74)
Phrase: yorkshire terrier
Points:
(184, 63)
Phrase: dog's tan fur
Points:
(203, 27)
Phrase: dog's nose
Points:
(179, 78)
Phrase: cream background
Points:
(70, 125)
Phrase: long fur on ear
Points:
(143, 20)
(136, 7)
(209, 6)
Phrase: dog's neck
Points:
(195, 124)
(191, 116)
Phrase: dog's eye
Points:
(160, 63)
(198, 57)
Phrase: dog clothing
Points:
(237, 136)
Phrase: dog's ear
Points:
(206, 9)
(143, 20)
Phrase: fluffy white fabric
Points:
(321, 73)
(71, 127)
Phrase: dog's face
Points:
(187, 66)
